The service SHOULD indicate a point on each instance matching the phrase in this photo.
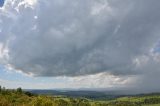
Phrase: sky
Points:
(1, 3)
(109, 44)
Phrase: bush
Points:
(152, 100)
(28, 94)
(42, 101)
(124, 103)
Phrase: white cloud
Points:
(92, 81)
(101, 80)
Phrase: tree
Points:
(3, 88)
(19, 90)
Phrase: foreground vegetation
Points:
(21, 98)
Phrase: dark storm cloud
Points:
(76, 37)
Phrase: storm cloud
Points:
(81, 37)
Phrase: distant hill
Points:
(96, 95)
(19, 97)
(86, 94)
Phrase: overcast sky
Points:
(110, 44)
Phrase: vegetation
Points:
(18, 97)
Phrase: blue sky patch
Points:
(1, 3)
